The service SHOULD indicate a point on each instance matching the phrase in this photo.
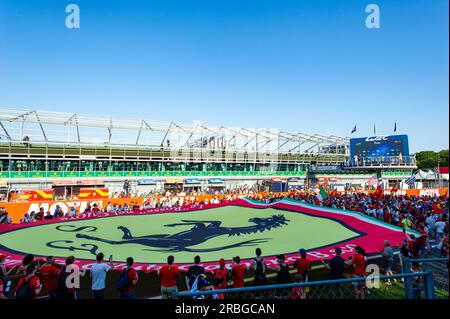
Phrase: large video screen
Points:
(379, 146)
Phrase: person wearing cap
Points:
(50, 275)
(221, 274)
(303, 265)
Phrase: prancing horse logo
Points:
(198, 234)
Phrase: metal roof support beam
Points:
(4, 130)
(70, 121)
(40, 124)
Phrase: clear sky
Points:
(300, 66)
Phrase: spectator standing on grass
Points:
(50, 274)
(29, 286)
(237, 273)
(98, 275)
(336, 265)
(303, 265)
(128, 280)
(282, 270)
(358, 261)
(169, 275)
(194, 271)
(388, 256)
(259, 266)
(221, 275)
(70, 267)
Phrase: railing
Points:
(417, 285)
(382, 161)
(75, 174)
(153, 151)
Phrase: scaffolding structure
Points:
(73, 129)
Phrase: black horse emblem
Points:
(199, 233)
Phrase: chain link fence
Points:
(411, 285)
(438, 269)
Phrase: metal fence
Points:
(412, 285)
(438, 272)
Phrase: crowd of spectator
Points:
(427, 215)
(47, 279)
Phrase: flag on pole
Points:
(372, 181)
(395, 127)
(354, 130)
(411, 180)
(322, 194)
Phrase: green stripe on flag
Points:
(322, 194)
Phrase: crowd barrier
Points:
(421, 287)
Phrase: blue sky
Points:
(300, 66)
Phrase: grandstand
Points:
(39, 147)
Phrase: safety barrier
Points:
(438, 270)
(412, 285)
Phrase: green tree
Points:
(429, 159)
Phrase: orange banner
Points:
(34, 195)
(93, 193)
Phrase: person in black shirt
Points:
(336, 265)
(194, 271)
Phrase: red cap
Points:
(222, 262)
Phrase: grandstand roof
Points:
(73, 128)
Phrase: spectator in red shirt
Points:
(169, 275)
(50, 275)
(33, 282)
(221, 274)
(40, 214)
(358, 261)
(237, 273)
(129, 292)
(303, 265)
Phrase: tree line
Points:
(429, 159)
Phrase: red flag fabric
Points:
(379, 191)
(438, 207)
(394, 188)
